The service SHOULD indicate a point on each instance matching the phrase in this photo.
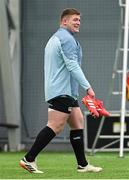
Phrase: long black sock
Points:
(77, 141)
(43, 138)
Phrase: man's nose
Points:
(78, 22)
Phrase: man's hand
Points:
(88, 101)
(90, 92)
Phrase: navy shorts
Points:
(63, 103)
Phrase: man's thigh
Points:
(76, 119)
(59, 111)
(56, 120)
(61, 108)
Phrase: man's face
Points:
(72, 23)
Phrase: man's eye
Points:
(76, 19)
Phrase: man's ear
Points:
(64, 21)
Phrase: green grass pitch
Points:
(62, 165)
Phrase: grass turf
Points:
(61, 165)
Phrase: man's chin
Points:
(76, 31)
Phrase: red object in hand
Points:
(90, 103)
(101, 109)
(95, 106)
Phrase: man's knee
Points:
(56, 127)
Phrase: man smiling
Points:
(63, 75)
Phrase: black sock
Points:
(77, 141)
(42, 139)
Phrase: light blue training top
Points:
(62, 69)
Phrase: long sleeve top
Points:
(62, 66)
